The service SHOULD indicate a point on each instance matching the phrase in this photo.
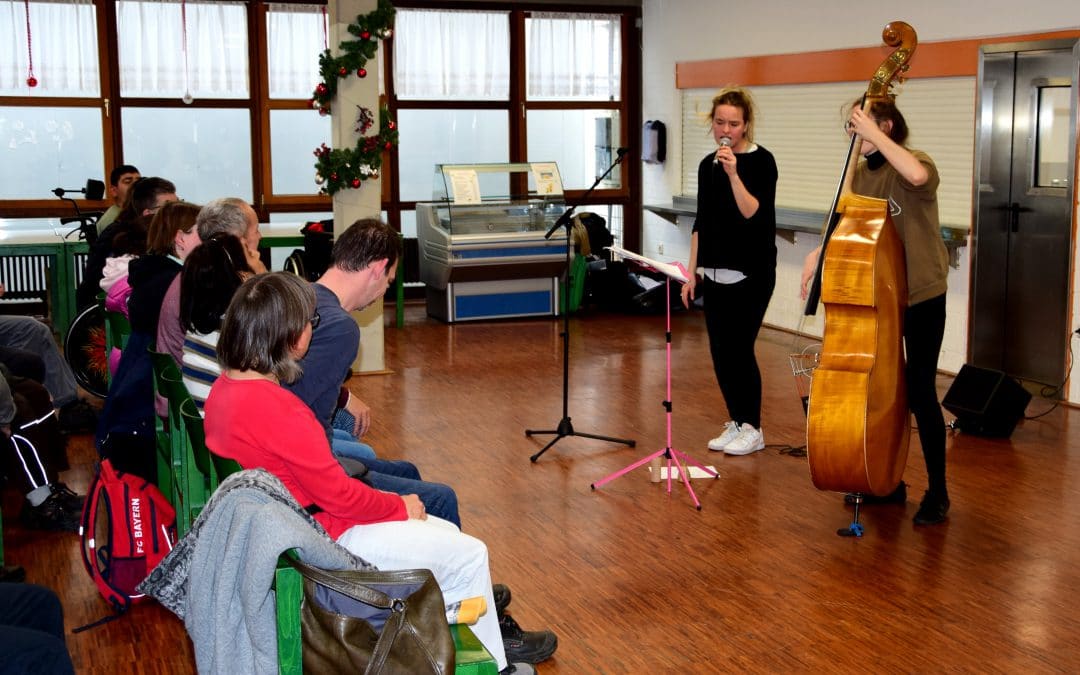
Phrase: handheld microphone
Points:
(622, 152)
(725, 142)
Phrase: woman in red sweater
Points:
(252, 419)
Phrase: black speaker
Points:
(986, 402)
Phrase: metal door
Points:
(1022, 244)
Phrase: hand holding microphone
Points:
(725, 142)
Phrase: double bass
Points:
(858, 423)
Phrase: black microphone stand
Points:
(565, 427)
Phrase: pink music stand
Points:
(682, 460)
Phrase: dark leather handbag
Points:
(374, 622)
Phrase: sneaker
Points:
(518, 669)
(502, 598)
(526, 646)
(77, 417)
(933, 510)
(50, 514)
(897, 496)
(70, 500)
(731, 432)
(749, 441)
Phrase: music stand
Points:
(565, 427)
(678, 273)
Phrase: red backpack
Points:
(127, 528)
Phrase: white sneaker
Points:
(749, 441)
(731, 432)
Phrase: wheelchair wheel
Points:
(84, 349)
(294, 264)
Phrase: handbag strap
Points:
(385, 643)
(356, 591)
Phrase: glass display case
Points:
(483, 253)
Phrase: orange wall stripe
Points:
(951, 58)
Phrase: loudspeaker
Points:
(986, 402)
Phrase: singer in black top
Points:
(733, 249)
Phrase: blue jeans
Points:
(402, 478)
(346, 445)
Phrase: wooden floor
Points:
(635, 580)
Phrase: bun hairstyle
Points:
(739, 98)
(884, 110)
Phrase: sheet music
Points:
(674, 270)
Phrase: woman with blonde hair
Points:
(733, 249)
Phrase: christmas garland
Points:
(341, 168)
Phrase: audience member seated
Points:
(362, 263)
(120, 181)
(32, 631)
(29, 350)
(229, 215)
(211, 275)
(210, 278)
(125, 236)
(266, 329)
(33, 453)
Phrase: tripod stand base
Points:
(682, 463)
(567, 429)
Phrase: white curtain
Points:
(151, 43)
(441, 54)
(573, 56)
(296, 35)
(65, 50)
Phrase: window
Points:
(462, 95)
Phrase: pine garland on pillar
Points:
(341, 168)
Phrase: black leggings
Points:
(733, 316)
(924, 328)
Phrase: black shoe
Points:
(12, 574)
(518, 669)
(50, 514)
(502, 598)
(933, 510)
(897, 496)
(526, 646)
(71, 501)
(77, 417)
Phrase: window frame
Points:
(259, 106)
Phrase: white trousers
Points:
(458, 561)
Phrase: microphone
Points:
(725, 142)
(621, 152)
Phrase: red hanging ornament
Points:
(333, 176)
(391, 124)
(361, 72)
(320, 89)
(31, 81)
(365, 34)
(343, 71)
(388, 145)
(355, 182)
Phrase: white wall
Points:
(692, 30)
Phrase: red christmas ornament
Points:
(365, 35)
(355, 182)
(333, 176)
(361, 72)
(388, 145)
(343, 71)
(391, 124)
(31, 81)
(324, 112)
